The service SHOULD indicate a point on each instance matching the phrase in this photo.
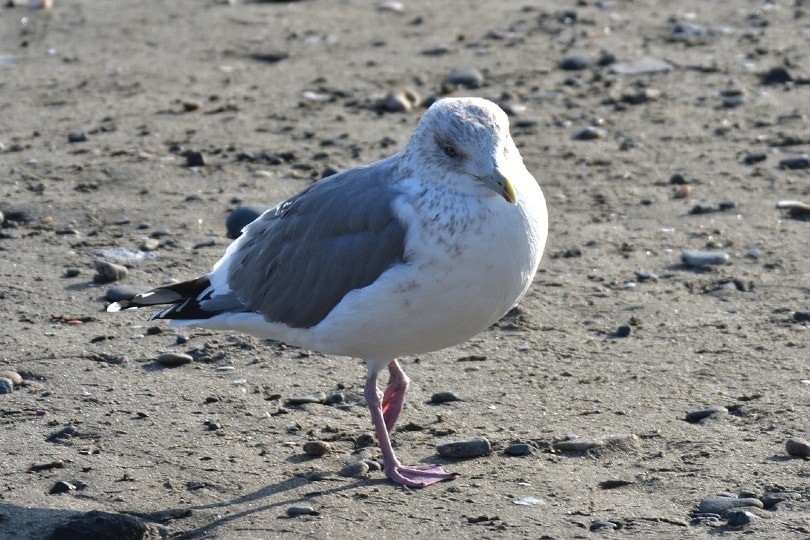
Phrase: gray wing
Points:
(297, 261)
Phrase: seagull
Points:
(413, 253)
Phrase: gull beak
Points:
(501, 185)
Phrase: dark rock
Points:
(294, 511)
(173, 359)
(697, 416)
(622, 331)
(62, 487)
(756, 157)
(797, 162)
(194, 158)
(589, 133)
(6, 385)
(575, 63)
(801, 316)
(77, 137)
(444, 397)
(776, 75)
(98, 525)
(240, 218)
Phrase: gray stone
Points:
(798, 447)
(294, 511)
(172, 359)
(719, 504)
(468, 78)
(317, 448)
(691, 257)
(519, 449)
(6, 385)
(469, 448)
(603, 524)
(355, 469)
(740, 518)
(98, 525)
(697, 416)
(108, 271)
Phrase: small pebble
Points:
(6, 385)
(798, 447)
(645, 275)
(444, 397)
(317, 448)
(108, 271)
(740, 518)
(77, 137)
(576, 445)
(726, 205)
(697, 416)
(373, 465)
(403, 101)
(701, 208)
(519, 449)
(797, 162)
(294, 511)
(756, 157)
(801, 316)
(589, 133)
(171, 359)
(240, 217)
(467, 78)
(124, 292)
(602, 524)
(355, 469)
(622, 331)
(703, 258)
(776, 75)
(150, 244)
(194, 158)
(72, 272)
(62, 487)
(15, 378)
(575, 63)
(469, 448)
(720, 504)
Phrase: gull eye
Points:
(450, 150)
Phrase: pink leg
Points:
(394, 396)
(417, 476)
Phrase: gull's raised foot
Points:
(419, 476)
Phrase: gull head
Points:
(466, 142)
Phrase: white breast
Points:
(455, 283)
